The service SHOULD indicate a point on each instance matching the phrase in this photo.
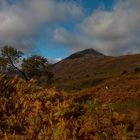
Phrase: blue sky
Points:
(60, 51)
(57, 28)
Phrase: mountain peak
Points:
(85, 52)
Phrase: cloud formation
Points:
(57, 59)
(74, 41)
(21, 21)
(114, 32)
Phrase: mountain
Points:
(88, 68)
(85, 52)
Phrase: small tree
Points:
(137, 70)
(11, 57)
(34, 66)
(3, 64)
(37, 67)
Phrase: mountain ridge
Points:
(85, 52)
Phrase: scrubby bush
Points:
(137, 70)
(30, 112)
(124, 72)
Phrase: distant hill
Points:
(85, 53)
(89, 67)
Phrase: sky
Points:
(57, 28)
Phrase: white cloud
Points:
(74, 41)
(57, 59)
(114, 32)
(20, 22)
(53, 61)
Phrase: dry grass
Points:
(74, 72)
(28, 112)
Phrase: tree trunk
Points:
(20, 71)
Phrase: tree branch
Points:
(23, 74)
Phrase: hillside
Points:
(95, 97)
(100, 101)
(75, 72)
(109, 111)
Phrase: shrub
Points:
(31, 112)
(125, 72)
(137, 70)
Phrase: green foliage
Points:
(3, 64)
(34, 66)
(37, 67)
(91, 105)
(3, 61)
(11, 54)
(9, 59)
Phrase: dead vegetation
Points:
(106, 112)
